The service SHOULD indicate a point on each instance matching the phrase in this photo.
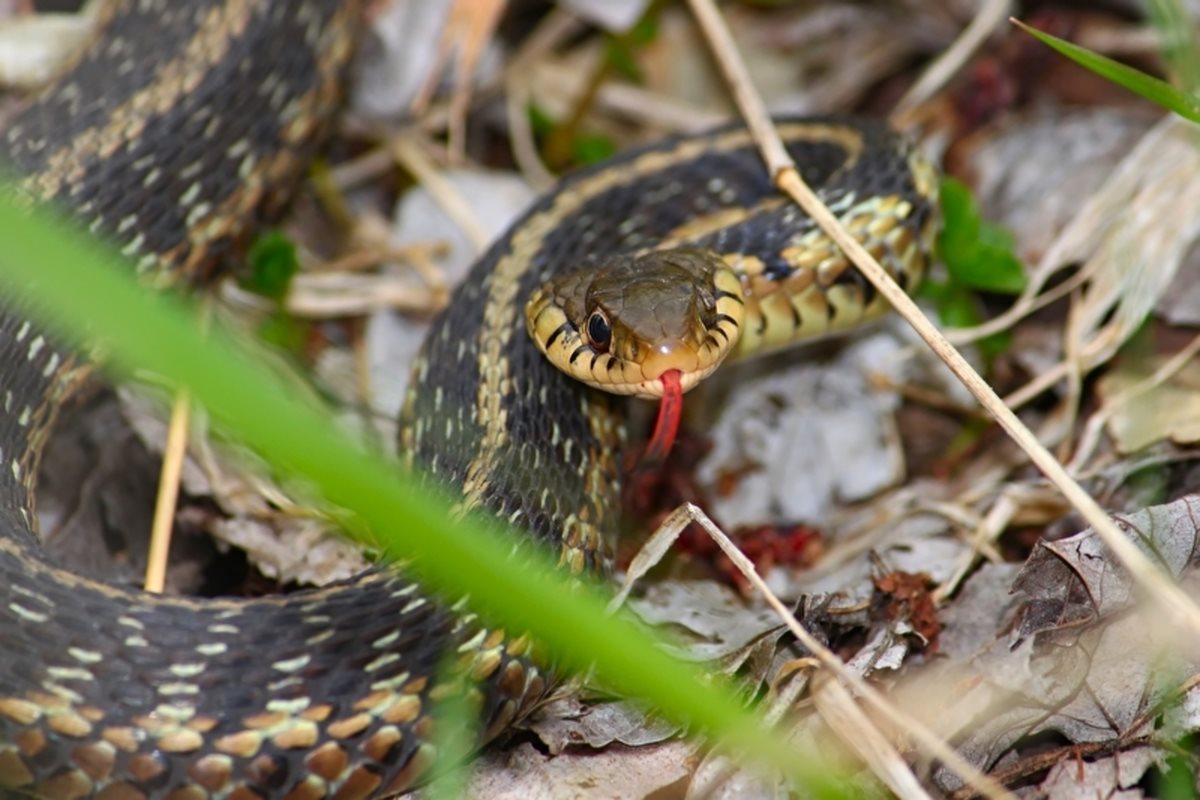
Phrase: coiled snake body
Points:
(183, 127)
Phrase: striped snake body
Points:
(178, 131)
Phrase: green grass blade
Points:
(88, 297)
(1147, 86)
(1178, 39)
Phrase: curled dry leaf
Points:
(1083, 659)
(568, 722)
(525, 773)
(1076, 579)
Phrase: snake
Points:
(176, 134)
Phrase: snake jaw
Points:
(668, 310)
(661, 357)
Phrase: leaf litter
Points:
(955, 581)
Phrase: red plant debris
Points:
(906, 596)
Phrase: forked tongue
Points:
(670, 409)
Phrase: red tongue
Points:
(670, 409)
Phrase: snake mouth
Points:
(622, 327)
(612, 372)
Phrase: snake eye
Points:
(599, 331)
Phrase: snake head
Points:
(619, 325)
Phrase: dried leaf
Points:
(1115, 777)
(1075, 580)
(1170, 411)
(1086, 662)
(571, 722)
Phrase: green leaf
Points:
(958, 307)
(621, 50)
(1177, 779)
(540, 121)
(622, 58)
(977, 254)
(960, 222)
(645, 30)
(1147, 86)
(991, 269)
(992, 235)
(273, 264)
(284, 331)
(590, 148)
(89, 298)
(1180, 48)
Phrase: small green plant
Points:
(979, 257)
(272, 265)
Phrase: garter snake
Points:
(741, 279)
(176, 133)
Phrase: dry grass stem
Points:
(520, 133)
(167, 498)
(556, 28)
(412, 157)
(336, 294)
(985, 533)
(781, 167)
(932, 744)
(1026, 303)
(839, 710)
(367, 167)
(930, 398)
(469, 25)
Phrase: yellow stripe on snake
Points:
(181, 129)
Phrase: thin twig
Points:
(780, 164)
(168, 493)
(167, 497)
(520, 132)
(1087, 355)
(410, 155)
(930, 741)
(838, 708)
(1025, 305)
(468, 26)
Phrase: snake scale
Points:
(181, 129)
